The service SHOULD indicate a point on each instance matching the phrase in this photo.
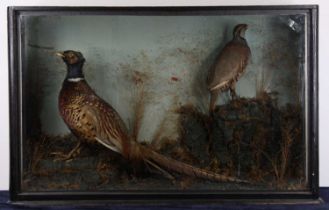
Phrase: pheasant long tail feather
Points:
(189, 170)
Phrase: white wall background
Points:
(323, 46)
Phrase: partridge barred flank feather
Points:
(229, 66)
(92, 119)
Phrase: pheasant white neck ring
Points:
(74, 72)
(78, 79)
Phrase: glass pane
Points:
(153, 71)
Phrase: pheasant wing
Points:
(94, 119)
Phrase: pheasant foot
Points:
(67, 157)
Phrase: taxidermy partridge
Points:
(92, 119)
(229, 65)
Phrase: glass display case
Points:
(163, 103)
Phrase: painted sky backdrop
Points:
(163, 58)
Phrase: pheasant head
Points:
(74, 61)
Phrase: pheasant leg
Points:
(60, 156)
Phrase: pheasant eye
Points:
(71, 57)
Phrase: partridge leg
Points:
(213, 98)
(60, 156)
(232, 92)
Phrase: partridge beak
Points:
(60, 54)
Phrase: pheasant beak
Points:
(60, 54)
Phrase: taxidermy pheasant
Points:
(229, 66)
(92, 119)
